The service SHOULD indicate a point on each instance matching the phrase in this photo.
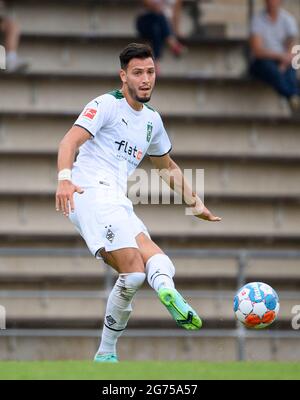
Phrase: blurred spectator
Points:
(159, 24)
(273, 34)
(11, 41)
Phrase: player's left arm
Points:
(171, 173)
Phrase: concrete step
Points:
(262, 242)
(155, 346)
(26, 269)
(46, 268)
(273, 268)
(226, 12)
(38, 92)
(234, 14)
(118, 17)
(62, 305)
(226, 177)
(99, 54)
(114, 17)
(34, 216)
(220, 177)
(195, 137)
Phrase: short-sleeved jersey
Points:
(275, 34)
(120, 138)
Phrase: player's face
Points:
(140, 79)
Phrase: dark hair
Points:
(135, 50)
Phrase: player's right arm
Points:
(68, 147)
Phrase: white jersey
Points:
(120, 138)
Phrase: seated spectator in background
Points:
(273, 34)
(159, 25)
(11, 41)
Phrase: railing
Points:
(242, 258)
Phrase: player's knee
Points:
(134, 280)
(161, 260)
(129, 284)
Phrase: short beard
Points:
(136, 98)
(143, 100)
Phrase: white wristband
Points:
(65, 175)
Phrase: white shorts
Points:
(106, 220)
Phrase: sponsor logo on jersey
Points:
(130, 150)
(90, 113)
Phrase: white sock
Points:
(118, 310)
(160, 271)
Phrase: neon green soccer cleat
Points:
(106, 358)
(180, 310)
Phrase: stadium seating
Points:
(219, 120)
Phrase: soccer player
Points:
(113, 134)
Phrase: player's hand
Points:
(208, 216)
(199, 210)
(64, 196)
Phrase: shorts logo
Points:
(149, 131)
(110, 321)
(109, 235)
(90, 113)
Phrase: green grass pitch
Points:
(128, 370)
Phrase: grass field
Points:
(148, 370)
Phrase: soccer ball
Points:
(256, 305)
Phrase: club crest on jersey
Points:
(149, 131)
(90, 113)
